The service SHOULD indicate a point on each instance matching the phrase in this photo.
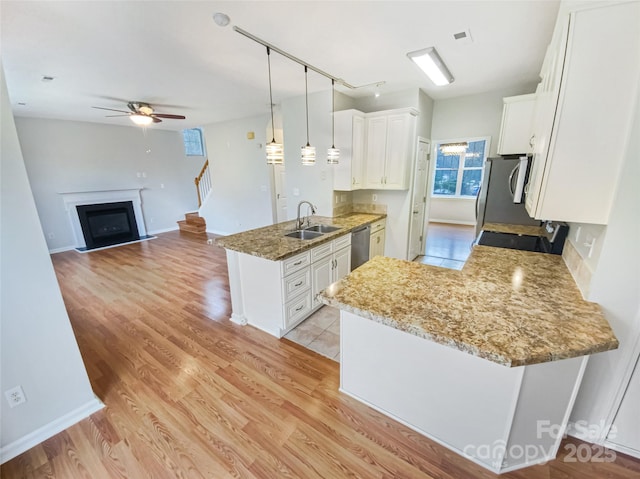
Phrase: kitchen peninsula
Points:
(274, 279)
(486, 361)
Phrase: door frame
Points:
(425, 188)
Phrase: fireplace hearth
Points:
(108, 224)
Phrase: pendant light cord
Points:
(306, 99)
(273, 127)
(333, 114)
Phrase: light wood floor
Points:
(189, 394)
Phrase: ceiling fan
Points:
(142, 113)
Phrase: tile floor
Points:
(448, 246)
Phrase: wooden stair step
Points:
(192, 228)
(194, 219)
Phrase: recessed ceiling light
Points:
(47, 78)
(221, 19)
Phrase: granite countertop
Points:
(514, 229)
(271, 243)
(511, 307)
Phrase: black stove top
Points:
(552, 242)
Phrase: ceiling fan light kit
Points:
(141, 120)
(142, 114)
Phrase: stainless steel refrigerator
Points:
(503, 176)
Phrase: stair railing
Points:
(203, 183)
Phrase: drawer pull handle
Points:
(298, 284)
(297, 263)
(300, 307)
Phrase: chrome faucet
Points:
(299, 222)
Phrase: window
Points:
(193, 142)
(458, 170)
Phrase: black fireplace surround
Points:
(108, 224)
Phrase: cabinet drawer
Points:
(341, 242)
(378, 225)
(296, 263)
(296, 283)
(297, 309)
(321, 251)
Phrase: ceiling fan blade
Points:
(110, 109)
(156, 120)
(166, 115)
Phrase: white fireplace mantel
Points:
(76, 198)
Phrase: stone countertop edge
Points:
(534, 323)
(270, 242)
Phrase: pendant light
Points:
(275, 152)
(333, 153)
(308, 151)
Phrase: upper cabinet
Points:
(516, 130)
(387, 143)
(583, 110)
(350, 137)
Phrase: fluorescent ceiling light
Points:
(141, 119)
(430, 62)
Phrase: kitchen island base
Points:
(499, 417)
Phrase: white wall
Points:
(616, 287)
(312, 183)
(38, 348)
(66, 156)
(240, 197)
(467, 117)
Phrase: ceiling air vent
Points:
(463, 37)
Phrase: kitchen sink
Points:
(322, 228)
(304, 234)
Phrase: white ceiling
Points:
(172, 54)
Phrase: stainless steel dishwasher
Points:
(360, 246)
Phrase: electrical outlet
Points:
(374, 198)
(15, 396)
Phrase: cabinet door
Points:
(321, 277)
(357, 157)
(398, 152)
(349, 138)
(341, 263)
(376, 244)
(516, 129)
(375, 152)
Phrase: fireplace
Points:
(107, 224)
(105, 199)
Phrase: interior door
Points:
(280, 193)
(419, 200)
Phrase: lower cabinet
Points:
(275, 296)
(331, 267)
(376, 241)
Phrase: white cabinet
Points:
(376, 241)
(349, 138)
(516, 130)
(275, 296)
(389, 149)
(583, 113)
(331, 264)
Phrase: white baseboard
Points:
(163, 230)
(452, 222)
(49, 430)
(623, 449)
(61, 250)
(217, 232)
